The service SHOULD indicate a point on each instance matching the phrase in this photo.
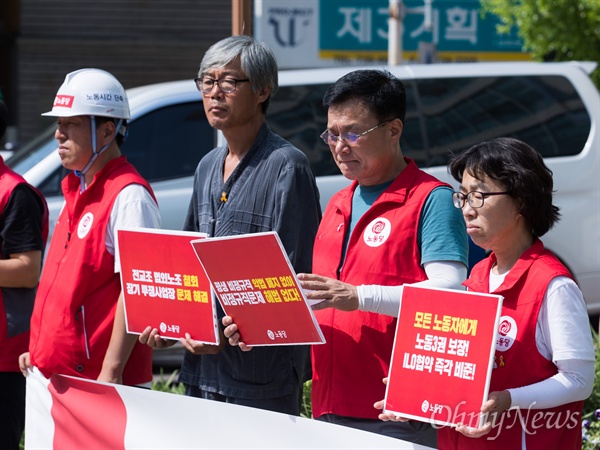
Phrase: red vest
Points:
(76, 301)
(383, 249)
(12, 347)
(517, 361)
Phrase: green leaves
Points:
(169, 384)
(553, 30)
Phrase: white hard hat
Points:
(90, 92)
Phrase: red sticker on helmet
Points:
(64, 101)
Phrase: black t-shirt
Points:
(21, 222)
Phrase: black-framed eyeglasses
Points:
(227, 85)
(348, 137)
(474, 198)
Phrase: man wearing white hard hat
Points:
(79, 289)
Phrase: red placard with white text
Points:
(256, 285)
(164, 286)
(443, 354)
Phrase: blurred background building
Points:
(140, 42)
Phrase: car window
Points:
(451, 114)
(297, 114)
(168, 143)
(50, 187)
(33, 151)
(544, 111)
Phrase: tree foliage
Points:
(553, 30)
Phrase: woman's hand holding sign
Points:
(496, 404)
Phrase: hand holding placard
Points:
(164, 287)
(444, 346)
(257, 287)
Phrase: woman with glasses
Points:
(544, 368)
(540, 379)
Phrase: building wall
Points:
(139, 41)
(9, 27)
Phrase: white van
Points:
(552, 106)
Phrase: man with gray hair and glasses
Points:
(257, 182)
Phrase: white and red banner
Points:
(67, 413)
(164, 286)
(256, 285)
(443, 354)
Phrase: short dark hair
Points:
(378, 90)
(122, 134)
(3, 118)
(520, 170)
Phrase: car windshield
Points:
(33, 151)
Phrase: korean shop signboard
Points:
(313, 33)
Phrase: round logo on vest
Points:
(85, 225)
(377, 232)
(507, 333)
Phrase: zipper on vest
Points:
(85, 338)
(68, 238)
